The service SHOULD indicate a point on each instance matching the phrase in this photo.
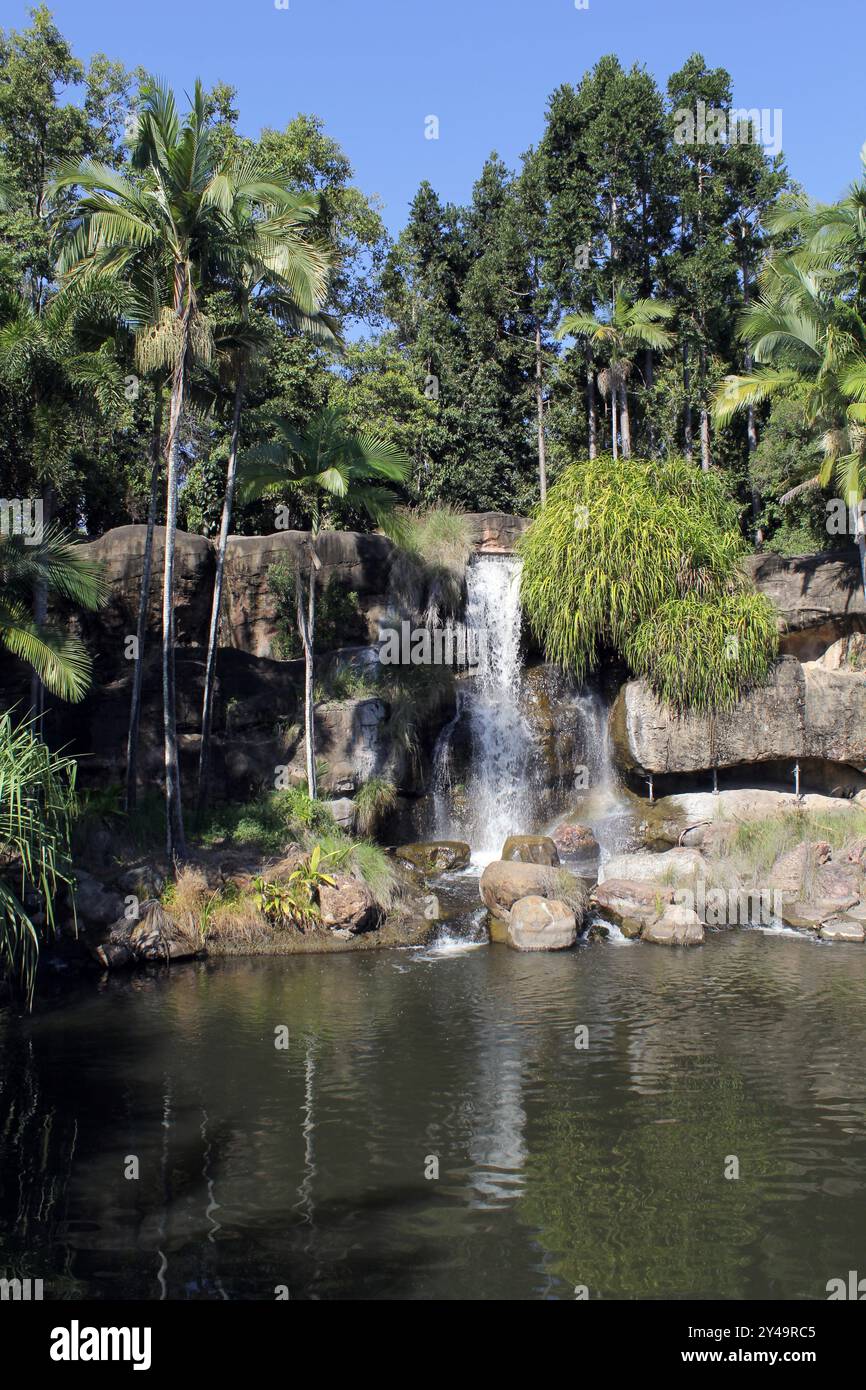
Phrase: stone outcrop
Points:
(818, 597)
(541, 924)
(803, 712)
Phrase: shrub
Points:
(373, 801)
(625, 553)
(37, 805)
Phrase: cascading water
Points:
(496, 795)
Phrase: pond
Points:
(311, 1169)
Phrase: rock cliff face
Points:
(819, 597)
(804, 712)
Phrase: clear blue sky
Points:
(373, 69)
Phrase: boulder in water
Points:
(434, 856)
(575, 841)
(349, 906)
(541, 924)
(841, 930)
(631, 906)
(530, 849)
(504, 882)
(677, 926)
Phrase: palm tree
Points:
(189, 203)
(284, 277)
(330, 465)
(56, 565)
(809, 344)
(629, 326)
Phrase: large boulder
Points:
(677, 926)
(694, 819)
(675, 867)
(801, 712)
(530, 849)
(348, 906)
(576, 841)
(503, 883)
(541, 924)
(434, 856)
(631, 906)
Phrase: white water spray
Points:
(497, 793)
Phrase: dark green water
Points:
(557, 1166)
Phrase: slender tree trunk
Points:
(131, 795)
(648, 382)
(687, 410)
(861, 546)
(751, 427)
(174, 834)
(706, 445)
(216, 606)
(40, 613)
(626, 421)
(592, 408)
(614, 424)
(539, 405)
(306, 615)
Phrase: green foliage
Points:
(285, 904)
(339, 619)
(427, 572)
(373, 801)
(703, 653)
(37, 805)
(615, 542)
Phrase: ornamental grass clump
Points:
(642, 560)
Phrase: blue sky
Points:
(374, 69)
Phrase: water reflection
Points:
(606, 1167)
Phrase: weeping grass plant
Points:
(642, 559)
(37, 805)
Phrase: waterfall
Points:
(496, 797)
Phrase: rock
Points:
(343, 811)
(96, 905)
(845, 654)
(801, 712)
(142, 881)
(818, 597)
(349, 906)
(530, 849)
(575, 841)
(808, 915)
(631, 905)
(504, 882)
(840, 930)
(677, 926)
(435, 856)
(541, 924)
(155, 936)
(495, 533)
(793, 870)
(667, 818)
(674, 867)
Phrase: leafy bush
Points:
(625, 553)
(373, 801)
(704, 653)
(37, 806)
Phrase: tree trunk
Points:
(648, 381)
(861, 546)
(131, 795)
(216, 605)
(306, 615)
(539, 405)
(614, 424)
(751, 428)
(626, 421)
(592, 409)
(174, 835)
(40, 613)
(706, 447)
(687, 409)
